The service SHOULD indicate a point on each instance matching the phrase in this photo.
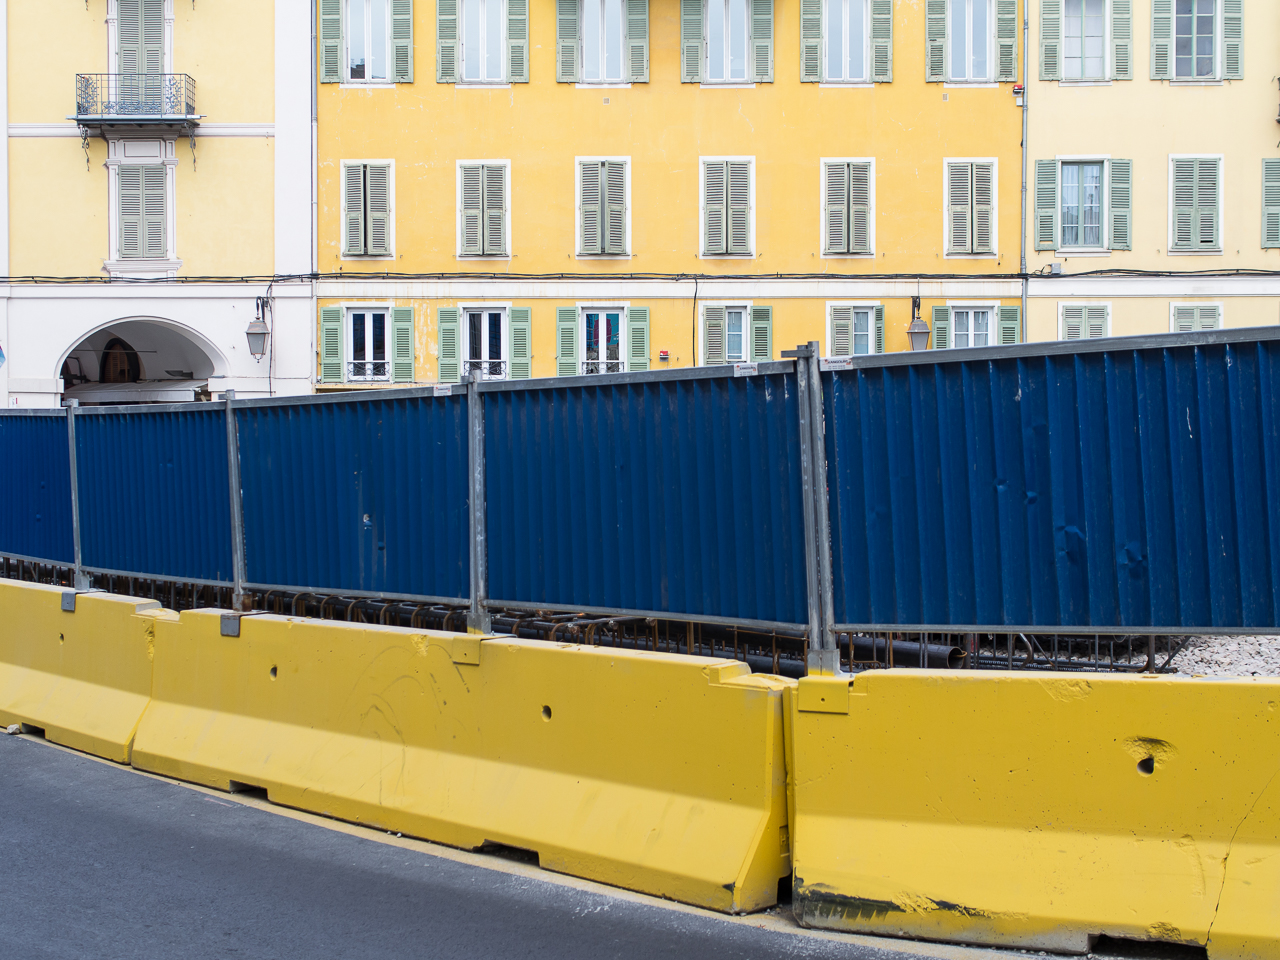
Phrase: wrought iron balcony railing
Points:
(369, 370)
(486, 369)
(604, 366)
(135, 98)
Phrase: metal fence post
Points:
(813, 591)
(79, 580)
(830, 660)
(478, 617)
(237, 506)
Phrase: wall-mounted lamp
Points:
(918, 332)
(258, 330)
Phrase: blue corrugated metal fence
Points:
(35, 480)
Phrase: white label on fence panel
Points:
(444, 390)
(746, 369)
(825, 365)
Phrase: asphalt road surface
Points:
(98, 861)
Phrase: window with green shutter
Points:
(602, 41)
(1193, 318)
(140, 38)
(1121, 39)
(377, 36)
(1045, 226)
(449, 352)
(486, 340)
(941, 328)
(366, 209)
(726, 41)
(637, 339)
(970, 210)
(470, 32)
(1270, 203)
(1196, 201)
(960, 44)
(1008, 325)
(602, 207)
(521, 349)
(143, 211)
(402, 335)
(847, 217)
(482, 202)
(331, 365)
(854, 329)
(566, 341)
(726, 215)
(761, 345)
(1084, 321)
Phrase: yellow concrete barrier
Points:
(658, 773)
(83, 675)
(1040, 810)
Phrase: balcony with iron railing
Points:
(135, 100)
(485, 369)
(591, 367)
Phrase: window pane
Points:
(1094, 39)
(593, 336)
(1091, 203)
(960, 328)
(835, 39)
(379, 336)
(715, 39)
(378, 39)
(981, 319)
(495, 336)
(959, 35)
(591, 39)
(734, 336)
(493, 40)
(978, 40)
(474, 334)
(857, 40)
(613, 40)
(355, 38)
(471, 48)
(357, 337)
(614, 333)
(861, 331)
(737, 39)
(1070, 205)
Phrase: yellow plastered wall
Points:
(1137, 316)
(664, 126)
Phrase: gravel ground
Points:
(1231, 657)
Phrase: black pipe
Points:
(906, 653)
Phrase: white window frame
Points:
(457, 190)
(866, 49)
(1221, 248)
(464, 335)
(1063, 304)
(1220, 304)
(1105, 248)
(582, 48)
(702, 209)
(128, 152)
(748, 80)
(995, 209)
(113, 37)
(603, 306)
(991, 306)
(1215, 78)
(391, 210)
(577, 207)
(1107, 65)
(822, 208)
(869, 305)
(505, 81)
(992, 54)
(746, 306)
(366, 307)
(347, 79)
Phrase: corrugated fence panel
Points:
(1125, 487)
(368, 496)
(35, 475)
(154, 494)
(677, 496)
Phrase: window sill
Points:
(846, 85)
(1195, 253)
(971, 256)
(1196, 83)
(970, 85)
(359, 258)
(602, 85)
(1084, 83)
(718, 85)
(847, 256)
(482, 257)
(141, 268)
(464, 85)
(369, 85)
(726, 256)
(602, 256)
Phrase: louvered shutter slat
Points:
(330, 41)
(1046, 224)
(841, 331)
(690, 41)
(402, 41)
(330, 344)
(1270, 203)
(1050, 41)
(1006, 41)
(714, 189)
(935, 60)
(983, 207)
(810, 41)
(1096, 321)
(518, 41)
(566, 341)
(1207, 183)
(1184, 319)
(859, 208)
(713, 335)
(520, 353)
(1208, 318)
(1008, 325)
(353, 201)
(739, 207)
(637, 339)
(590, 203)
(495, 209)
(1161, 39)
(1184, 204)
(1121, 172)
(446, 40)
(614, 192)
(762, 40)
(638, 41)
(942, 328)
(378, 206)
(130, 187)
(129, 35)
(1072, 323)
(153, 211)
(1121, 39)
(837, 207)
(761, 334)
(882, 41)
(1233, 39)
(448, 322)
(402, 344)
(879, 331)
(959, 207)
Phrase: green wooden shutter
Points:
(446, 40)
(131, 232)
(472, 210)
(1270, 203)
(1184, 319)
(353, 200)
(566, 341)
(1008, 325)
(1073, 323)
(761, 334)
(589, 201)
(1121, 39)
(518, 41)
(836, 196)
(637, 339)
(713, 339)
(566, 41)
(1095, 319)
(841, 344)
(378, 207)
(690, 41)
(739, 207)
(448, 322)
(1051, 39)
(1184, 204)
(1046, 223)
(152, 37)
(879, 320)
(935, 43)
(520, 350)
(1207, 184)
(715, 207)
(810, 41)
(762, 40)
(1208, 318)
(1161, 39)
(942, 328)
(330, 40)
(402, 344)
(881, 41)
(495, 209)
(859, 208)
(959, 207)
(402, 41)
(638, 41)
(331, 345)
(984, 188)
(613, 191)
(1006, 41)
(129, 36)
(154, 226)
(1233, 39)
(1121, 172)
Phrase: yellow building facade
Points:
(591, 186)
(1154, 166)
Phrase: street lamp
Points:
(258, 330)
(918, 332)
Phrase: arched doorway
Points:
(139, 361)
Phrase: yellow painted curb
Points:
(655, 772)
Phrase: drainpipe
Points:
(1026, 90)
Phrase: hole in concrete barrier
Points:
(31, 731)
(61, 638)
(1146, 949)
(273, 673)
(784, 889)
(249, 789)
(546, 713)
(508, 852)
(1147, 766)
